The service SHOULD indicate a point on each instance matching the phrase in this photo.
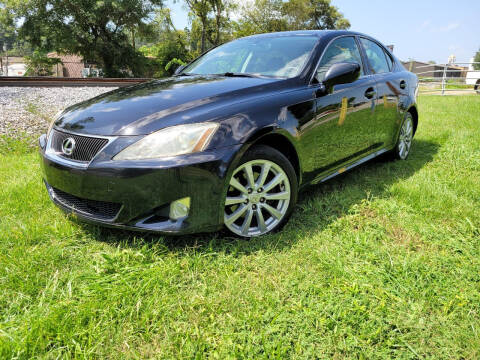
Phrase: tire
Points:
(404, 142)
(477, 87)
(261, 193)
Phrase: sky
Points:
(423, 30)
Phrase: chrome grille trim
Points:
(87, 147)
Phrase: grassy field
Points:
(383, 262)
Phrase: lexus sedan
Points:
(232, 137)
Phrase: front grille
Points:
(85, 149)
(101, 210)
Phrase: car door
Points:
(390, 86)
(343, 122)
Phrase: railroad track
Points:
(70, 82)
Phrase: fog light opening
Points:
(179, 208)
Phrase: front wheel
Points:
(261, 194)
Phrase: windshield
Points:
(282, 56)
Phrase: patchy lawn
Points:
(383, 262)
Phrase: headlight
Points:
(172, 141)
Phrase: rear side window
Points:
(343, 49)
(376, 57)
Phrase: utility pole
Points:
(6, 54)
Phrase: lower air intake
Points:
(101, 210)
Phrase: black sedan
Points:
(233, 136)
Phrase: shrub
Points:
(39, 64)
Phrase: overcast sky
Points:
(420, 29)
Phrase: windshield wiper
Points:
(232, 74)
(227, 74)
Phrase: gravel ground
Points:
(27, 111)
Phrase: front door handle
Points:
(370, 93)
(403, 84)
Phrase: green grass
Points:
(383, 262)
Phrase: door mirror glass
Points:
(341, 73)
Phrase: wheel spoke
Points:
(274, 182)
(409, 128)
(263, 174)
(274, 212)
(260, 220)
(278, 196)
(247, 222)
(235, 215)
(234, 200)
(400, 148)
(236, 184)
(250, 178)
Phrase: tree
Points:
(6, 40)
(220, 22)
(201, 9)
(170, 48)
(477, 60)
(276, 15)
(96, 30)
(261, 16)
(313, 15)
(211, 19)
(7, 30)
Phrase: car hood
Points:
(147, 107)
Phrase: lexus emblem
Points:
(68, 146)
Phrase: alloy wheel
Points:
(405, 139)
(257, 199)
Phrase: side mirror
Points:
(179, 69)
(341, 73)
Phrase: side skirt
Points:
(351, 166)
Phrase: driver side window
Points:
(343, 49)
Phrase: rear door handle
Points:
(403, 84)
(370, 93)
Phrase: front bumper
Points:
(138, 194)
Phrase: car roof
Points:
(317, 33)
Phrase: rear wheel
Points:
(262, 193)
(477, 87)
(404, 142)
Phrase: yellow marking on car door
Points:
(343, 111)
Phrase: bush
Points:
(163, 55)
(39, 64)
